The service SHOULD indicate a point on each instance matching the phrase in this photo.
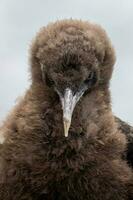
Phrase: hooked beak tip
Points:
(67, 124)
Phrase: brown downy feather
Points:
(37, 161)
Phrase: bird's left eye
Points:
(92, 78)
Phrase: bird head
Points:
(72, 58)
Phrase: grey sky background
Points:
(20, 20)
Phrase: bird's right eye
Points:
(48, 80)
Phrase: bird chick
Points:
(62, 141)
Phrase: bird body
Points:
(71, 65)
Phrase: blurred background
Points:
(20, 20)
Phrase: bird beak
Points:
(68, 102)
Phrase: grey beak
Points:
(68, 102)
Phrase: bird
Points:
(62, 141)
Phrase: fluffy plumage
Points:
(37, 161)
(127, 130)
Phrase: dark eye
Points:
(92, 78)
(49, 81)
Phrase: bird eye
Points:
(48, 80)
(92, 78)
